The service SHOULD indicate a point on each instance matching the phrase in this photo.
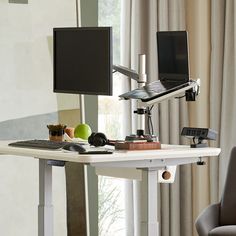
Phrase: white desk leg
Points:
(153, 228)
(146, 204)
(45, 208)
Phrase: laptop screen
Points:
(172, 47)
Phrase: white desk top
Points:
(168, 155)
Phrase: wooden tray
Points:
(137, 145)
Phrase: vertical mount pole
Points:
(142, 79)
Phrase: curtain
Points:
(223, 85)
(198, 26)
(211, 27)
(141, 20)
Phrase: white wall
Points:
(26, 55)
(26, 90)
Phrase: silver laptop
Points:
(172, 48)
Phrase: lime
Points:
(82, 131)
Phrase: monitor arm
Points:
(141, 78)
(191, 91)
(126, 71)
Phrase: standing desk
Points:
(150, 161)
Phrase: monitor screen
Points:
(83, 60)
(172, 49)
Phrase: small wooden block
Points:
(137, 145)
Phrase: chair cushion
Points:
(228, 230)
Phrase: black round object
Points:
(90, 138)
(98, 139)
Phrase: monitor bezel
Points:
(109, 89)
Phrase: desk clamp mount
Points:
(199, 144)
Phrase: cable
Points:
(152, 130)
(149, 120)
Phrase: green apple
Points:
(82, 131)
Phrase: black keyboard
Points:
(40, 144)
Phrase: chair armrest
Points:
(208, 219)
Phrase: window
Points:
(110, 117)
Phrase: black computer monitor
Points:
(83, 60)
(172, 47)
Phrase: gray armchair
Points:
(220, 219)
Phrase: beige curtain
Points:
(175, 200)
(141, 20)
(223, 84)
(198, 26)
(211, 26)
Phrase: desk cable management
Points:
(149, 120)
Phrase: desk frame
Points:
(148, 161)
(45, 208)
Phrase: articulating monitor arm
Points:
(141, 76)
(126, 71)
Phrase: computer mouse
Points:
(74, 147)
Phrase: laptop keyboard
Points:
(159, 87)
(156, 87)
(40, 144)
(153, 90)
